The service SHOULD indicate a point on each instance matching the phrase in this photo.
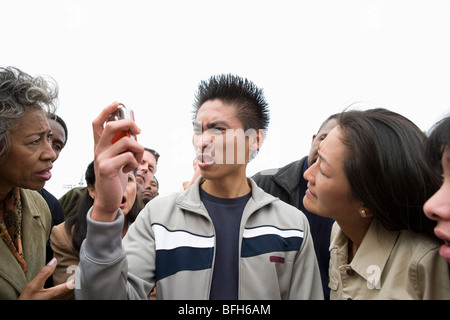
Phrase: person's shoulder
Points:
(33, 198)
(420, 244)
(72, 193)
(60, 236)
(60, 229)
(164, 199)
(35, 205)
(284, 206)
(162, 203)
(286, 210)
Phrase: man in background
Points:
(145, 174)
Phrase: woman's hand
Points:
(112, 162)
(35, 288)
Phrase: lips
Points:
(123, 203)
(140, 177)
(45, 174)
(444, 251)
(204, 160)
(309, 193)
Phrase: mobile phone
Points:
(122, 113)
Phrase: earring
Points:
(363, 213)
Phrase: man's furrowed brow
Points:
(211, 125)
(217, 123)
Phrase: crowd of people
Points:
(365, 215)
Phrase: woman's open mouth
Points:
(123, 203)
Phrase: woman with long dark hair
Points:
(371, 177)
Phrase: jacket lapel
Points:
(35, 232)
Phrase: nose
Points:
(143, 168)
(203, 140)
(310, 173)
(48, 153)
(438, 206)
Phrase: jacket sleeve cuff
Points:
(103, 241)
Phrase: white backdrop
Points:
(312, 58)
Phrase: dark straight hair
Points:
(438, 140)
(386, 168)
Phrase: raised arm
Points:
(112, 162)
(102, 271)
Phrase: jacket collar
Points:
(374, 250)
(190, 198)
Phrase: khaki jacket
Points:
(388, 265)
(36, 226)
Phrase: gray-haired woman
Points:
(25, 165)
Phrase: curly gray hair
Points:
(20, 92)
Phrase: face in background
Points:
(150, 192)
(145, 170)
(129, 195)
(318, 138)
(58, 139)
(329, 193)
(438, 207)
(153, 188)
(221, 146)
(29, 160)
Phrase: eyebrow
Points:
(323, 159)
(57, 140)
(211, 125)
(40, 134)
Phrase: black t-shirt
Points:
(226, 216)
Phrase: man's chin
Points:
(146, 198)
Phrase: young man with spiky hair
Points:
(222, 238)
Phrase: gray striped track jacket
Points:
(171, 245)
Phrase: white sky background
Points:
(312, 58)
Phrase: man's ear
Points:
(256, 140)
(260, 138)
